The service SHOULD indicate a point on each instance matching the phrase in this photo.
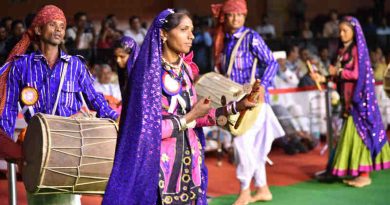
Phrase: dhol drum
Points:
(215, 86)
(386, 81)
(68, 155)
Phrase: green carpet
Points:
(315, 193)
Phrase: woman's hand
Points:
(245, 104)
(199, 110)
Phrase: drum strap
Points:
(63, 73)
(88, 113)
(233, 58)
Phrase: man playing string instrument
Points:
(242, 55)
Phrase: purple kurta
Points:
(32, 70)
(251, 47)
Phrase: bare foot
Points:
(244, 198)
(360, 182)
(347, 181)
(262, 194)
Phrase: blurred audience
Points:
(266, 29)
(82, 34)
(17, 30)
(136, 31)
(110, 90)
(331, 28)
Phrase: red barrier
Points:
(294, 90)
(302, 89)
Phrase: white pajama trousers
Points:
(253, 146)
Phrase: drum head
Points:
(33, 153)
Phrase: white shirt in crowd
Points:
(383, 30)
(266, 30)
(111, 89)
(286, 79)
(85, 38)
(331, 29)
(138, 37)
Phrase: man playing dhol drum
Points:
(46, 81)
(237, 50)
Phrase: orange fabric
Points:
(219, 11)
(112, 101)
(3, 89)
(45, 15)
(22, 135)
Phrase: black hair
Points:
(333, 11)
(110, 16)
(303, 49)
(119, 44)
(7, 18)
(78, 15)
(350, 25)
(173, 20)
(353, 37)
(321, 48)
(132, 18)
(16, 22)
(290, 48)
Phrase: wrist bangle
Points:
(229, 109)
(234, 110)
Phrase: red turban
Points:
(230, 6)
(219, 11)
(45, 15)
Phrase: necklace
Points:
(167, 64)
(172, 81)
(175, 71)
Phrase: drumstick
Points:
(311, 71)
(251, 98)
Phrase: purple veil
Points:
(134, 177)
(129, 45)
(365, 110)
